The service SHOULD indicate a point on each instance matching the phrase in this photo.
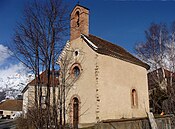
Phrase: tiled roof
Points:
(11, 105)
(158, 75)
(43, 79)
(107, 48)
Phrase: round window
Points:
(75, 70)
(76, 53)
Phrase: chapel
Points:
(108, 81)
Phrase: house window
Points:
(43, 99)
(1, 112)
(43, 102)
(134, 101)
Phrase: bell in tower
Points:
(79, 22)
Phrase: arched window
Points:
(76, 71)
(77, 17)
(75, 112)
(134, 100)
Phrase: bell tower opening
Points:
(77, 17)
(79, 22)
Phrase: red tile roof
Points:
(107, 48)
(11, 105)
(44, 79)
(158, 75)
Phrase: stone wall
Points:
(142, 123)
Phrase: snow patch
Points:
(93, 45)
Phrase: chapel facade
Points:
(109, 82)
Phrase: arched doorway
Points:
(75, 112)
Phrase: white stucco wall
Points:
(84, 87)
(117, 78)
(29, 97)
(25, 102)
(105, 86)
(12, 114)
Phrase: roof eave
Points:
(142, 64)
(25, 89)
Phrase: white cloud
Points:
(12, 69)
(4, 53)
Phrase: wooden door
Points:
(75, 113)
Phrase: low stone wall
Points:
(135, 123)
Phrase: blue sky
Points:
(124, 23)
(121, 22)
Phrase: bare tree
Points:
(158, 52)
(170, 65)
(153, 49)
(37, 42)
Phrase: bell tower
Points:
(79, 22)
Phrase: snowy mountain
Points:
(14, 84)
(13, 74)
(13, 80)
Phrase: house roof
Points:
(163, 72)
(158, 75)
(44, 80)
(104, 47)
(11, 105)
